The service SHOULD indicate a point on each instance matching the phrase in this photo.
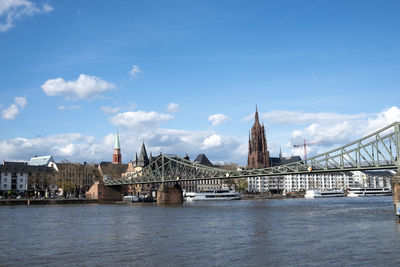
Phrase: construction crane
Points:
(304, 145)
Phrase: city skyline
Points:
(184, 77)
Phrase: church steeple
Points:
(258, 151)
(143, 158)
(117, 150)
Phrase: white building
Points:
(266, 184)
(323, 181)
(374, 179)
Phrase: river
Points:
(288, 232)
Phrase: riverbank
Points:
(4, 202)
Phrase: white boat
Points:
(368, 191)
(315, 193)
(213, 194)
(130, 199)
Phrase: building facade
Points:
(13, 178)
(322, 181)
(75, 179)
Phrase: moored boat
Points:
(315, 193)
(130, 199)
(368, 191)
(213, 194)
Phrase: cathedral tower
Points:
(258, 153)
(117, 151)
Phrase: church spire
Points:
(256, 114)
(117, 145)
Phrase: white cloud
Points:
(382, 119)
(10, 113)
(135, 71)
(140, 120)
(47, 8)
(77, 147)
(212, 141)
(217, 119)
(12, 10)
(300, 117)
(85, 87)
(20, 101)
(217, 147)
(13, 110)
(173, 107)
(110, 110)
(62, 107)
(334, 133)
(72, 146)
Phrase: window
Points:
(21, 180)
(20, 186)
(5, 179)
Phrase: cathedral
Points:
(258, 152)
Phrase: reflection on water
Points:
(337, 231)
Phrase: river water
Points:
(290, 232)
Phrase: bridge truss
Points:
(379, 150)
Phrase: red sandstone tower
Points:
(117, 151)
(258, 153)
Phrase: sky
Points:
(184, 77)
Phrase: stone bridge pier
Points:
(396, 192)
(106, 193)
(170, 194)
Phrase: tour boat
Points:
(130, 199)
(315, 193)
(213, 194)
(368, 191)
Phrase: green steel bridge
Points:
(378, 150)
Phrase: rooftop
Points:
(41, 161)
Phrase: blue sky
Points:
(185, 76)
